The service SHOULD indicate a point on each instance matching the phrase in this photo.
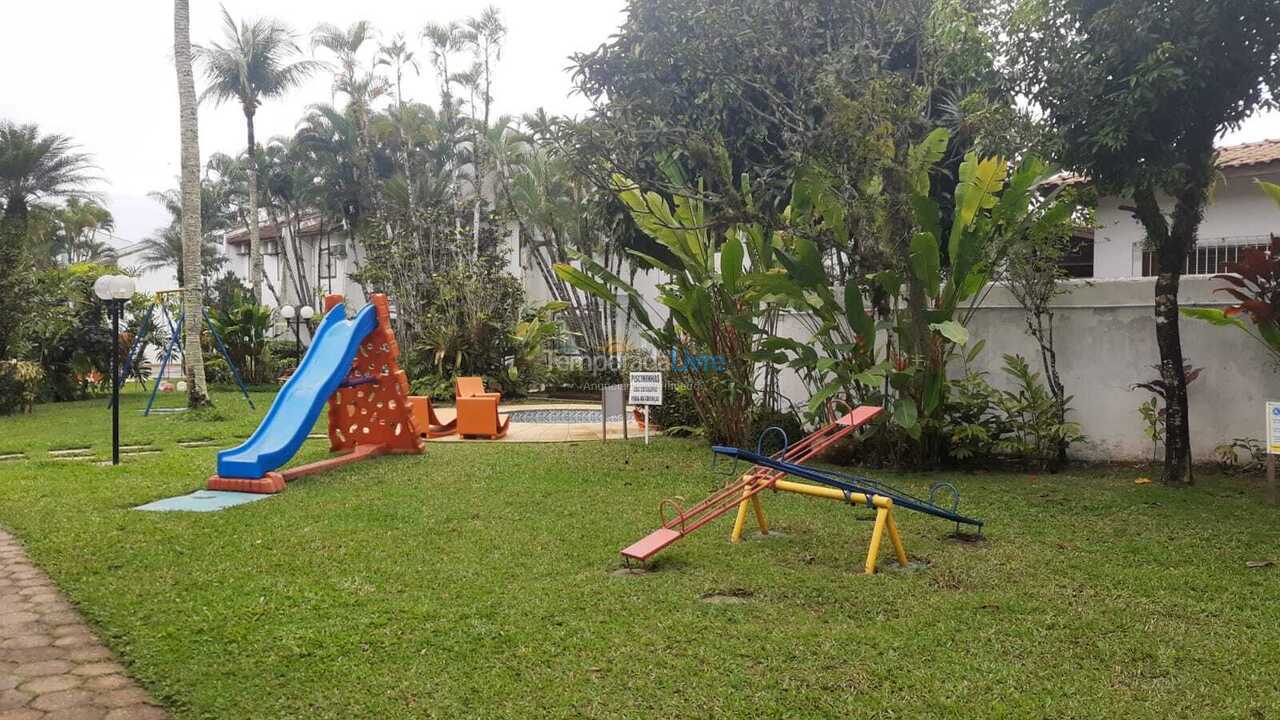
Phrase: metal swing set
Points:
(173, 348)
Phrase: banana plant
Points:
(712, 309)
(931, 295)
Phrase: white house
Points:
(1239, 216)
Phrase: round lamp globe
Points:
(287, 312)
(102, 287)
(308, 312)
(122, 287)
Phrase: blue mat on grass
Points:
(202, 501)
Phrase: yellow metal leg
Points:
(896, 539)
(760, 518)
(741, 520)
(873, 552)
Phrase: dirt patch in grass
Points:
(735, 596)
(964, 538)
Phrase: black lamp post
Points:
(115, 291)
(295, 317)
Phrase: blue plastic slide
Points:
(298, 404)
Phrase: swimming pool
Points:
(559, 416)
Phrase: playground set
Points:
(769, 473)
(353, 365)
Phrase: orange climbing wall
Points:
(377, 413)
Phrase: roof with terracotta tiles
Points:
(1263, 152)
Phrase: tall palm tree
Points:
(344, 43)
(485, 34)
(397, 56)
(191, 210)
(36, 166)
(254, 62)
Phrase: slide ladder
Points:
(743, 492)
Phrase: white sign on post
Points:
(1273, 428)
(646, 390)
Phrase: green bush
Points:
(10, 389)
(1025, 424)
(677, 415)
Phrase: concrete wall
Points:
(1239, 209)
(1106, 342)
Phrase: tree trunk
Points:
(1177, 440)
(1171, 247)
(192, 296)
(255, 247)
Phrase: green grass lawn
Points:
(478, 581)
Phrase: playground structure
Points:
(769, 473)
(353, 365)
(173, 348)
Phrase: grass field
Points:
(479, 581)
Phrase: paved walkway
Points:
(51, 665)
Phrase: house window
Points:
(1210, 256)
(242, 249)
(271, 248)
(1077, 261)
(328, 267)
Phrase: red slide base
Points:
(272, 483)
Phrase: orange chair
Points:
(424, 417)
(478, 410)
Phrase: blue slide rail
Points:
(849, 483)
(299, 402)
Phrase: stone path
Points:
(51, 665)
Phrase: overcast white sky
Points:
(102, 72)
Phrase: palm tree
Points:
(345, 44)
(166, 248)
(35, 166)
(446, 40)
(77, 232)
(397, 56)
(191, 209)
(485, 34)
(255, 62)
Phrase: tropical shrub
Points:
(68, 332)
(20, 383)
(1024, 423)
(713, 310)
(532, 341)
(244, 331)
(468, 327)
(927, 295)
(1241, 455)
(678, 414)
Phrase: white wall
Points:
(1238, 209)
(1106, 342)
